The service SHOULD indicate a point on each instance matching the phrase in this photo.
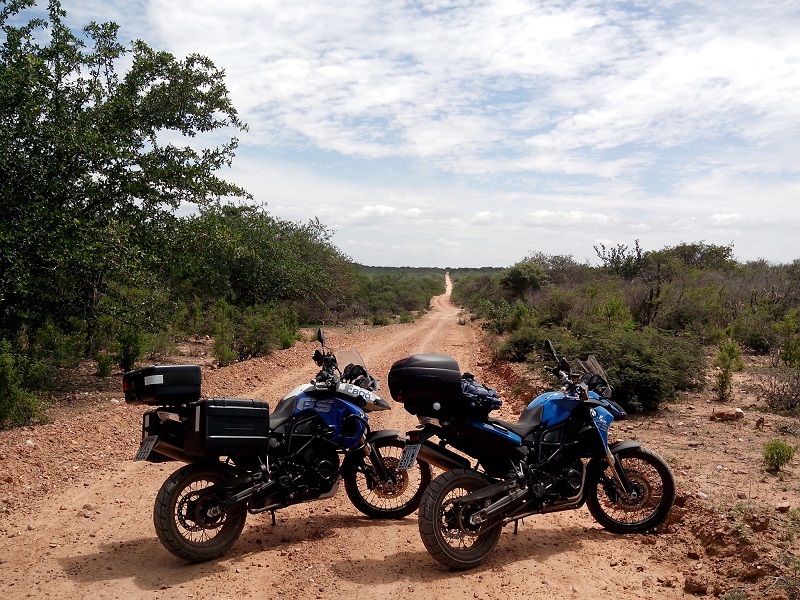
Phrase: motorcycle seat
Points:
(528, 421)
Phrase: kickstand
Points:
(274, 522)
(516, 526)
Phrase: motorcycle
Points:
(556, 457)
(243, 459)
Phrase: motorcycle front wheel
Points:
(189, 521)
(444, 524)
(653, 493)
(380, 498)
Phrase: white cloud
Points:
(661, 119)
(485, 217)
(724, 219)
(575, 217)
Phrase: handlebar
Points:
(571, 386)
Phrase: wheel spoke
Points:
(651, 497)
(387, 499)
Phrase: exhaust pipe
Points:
(172, 451)
(441, 457)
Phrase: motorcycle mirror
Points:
(318, 357)
(321, 337)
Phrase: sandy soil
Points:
(76, 511)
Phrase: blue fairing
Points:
(602, 420)
(336, 413)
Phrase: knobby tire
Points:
(180, 525)
(440, 527)
(650, 476)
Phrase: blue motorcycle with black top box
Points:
(556, 457)
(243, 459)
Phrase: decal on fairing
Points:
(602, 420)
(356, 392)
(309, 403)
(335, 412)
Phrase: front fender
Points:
(353, 460)
(382, 434)
(598, 464)
(617, 447)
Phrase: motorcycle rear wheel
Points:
(380, 499)
(651, 479)
(444, 528)
(185, 519)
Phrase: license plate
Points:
(147, 446)
(409, 457)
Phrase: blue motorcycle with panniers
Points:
(556, 457)
(243, 459)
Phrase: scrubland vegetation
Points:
(656, 319)
(98, 262)
(96, 259)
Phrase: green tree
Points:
(92, 161)
(524, 277)
(245, 256)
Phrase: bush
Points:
(755, 331)
(129, 349)
(18, 406)
(223, 353)
(728, 360)
(406, 317)
(104, 365)
(645, 367)
(779, 389)
(255, 331)
(519, 345)
(777, 454)
(527, 343)
(381, 320)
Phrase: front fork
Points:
(371, 450)
(618, 471)
(377, 463)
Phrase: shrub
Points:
(728, 360)
(519, 345)
(645, 367)
(779, 389)
(381, 320)
(556, 307)
(104, 365)
(18, 406)
(406, 317)
(777, 454)
(223, 353)
(755, 331)
(130, 349)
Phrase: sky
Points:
(474, 133)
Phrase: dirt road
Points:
(77, 521)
